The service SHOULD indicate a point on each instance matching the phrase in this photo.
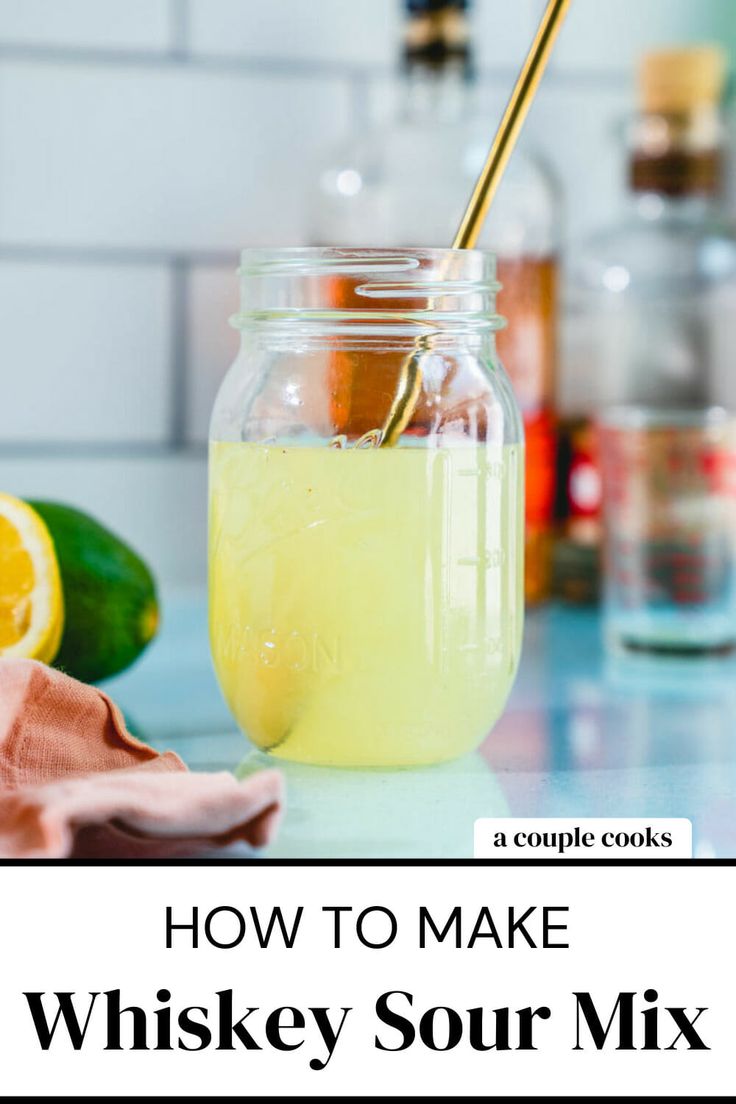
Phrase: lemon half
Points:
(31, 604)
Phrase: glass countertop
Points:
(584, 734)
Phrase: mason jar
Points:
(366, 507)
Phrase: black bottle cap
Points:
(437, 33)
(427, 7)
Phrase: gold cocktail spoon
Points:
(410, 378)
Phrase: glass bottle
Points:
(366, 602)
(651, 305)
(406, 182)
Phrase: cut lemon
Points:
(31, 605)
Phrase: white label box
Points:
(583, 838)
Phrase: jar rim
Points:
(433, 289)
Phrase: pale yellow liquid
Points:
(366, 604)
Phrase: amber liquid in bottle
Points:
(527, 349)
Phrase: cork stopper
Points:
(681, 80)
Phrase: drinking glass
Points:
(669, 500)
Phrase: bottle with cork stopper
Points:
(677, 138)
(650, 301)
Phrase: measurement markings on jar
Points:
(485, 469)
(491, 646)
(492, 557)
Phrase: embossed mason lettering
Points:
(293, 651)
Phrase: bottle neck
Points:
(437, 61)
(677, 156)
(656, 206)
(437, 94)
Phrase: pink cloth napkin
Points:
(73, 781)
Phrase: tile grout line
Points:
(180, 55)
(116, 254)
(179, 354)
(180, 25)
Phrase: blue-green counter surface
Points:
(584, 734)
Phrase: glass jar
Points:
(366, 507)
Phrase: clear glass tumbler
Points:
(669, 491)
(366, 597)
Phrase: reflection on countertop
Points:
(584, 734)
(335, 813)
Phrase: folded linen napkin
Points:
(73, 781)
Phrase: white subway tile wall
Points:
(84, 24)
(174, 158)
(86, 353)
(328, 32)
(143, 142)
